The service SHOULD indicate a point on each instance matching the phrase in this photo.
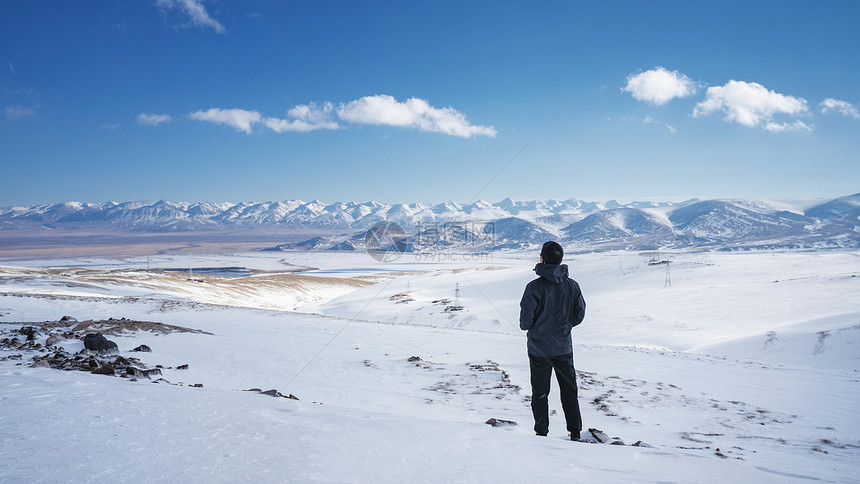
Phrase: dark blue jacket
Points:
(551, 306)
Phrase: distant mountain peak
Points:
(716, 223)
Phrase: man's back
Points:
(551, 306)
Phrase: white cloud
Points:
(17, 112)
(669, 128)
(659, 85)
(152, 119)
(380, 110)
(752, 104)
(415, 113)
(783, 127)
(237, 118)
(304, 118)
(842, 107)
(195, 11)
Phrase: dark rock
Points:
(97, 342)
(92, 363)
(639, 443)
(136, 372)
(120, 361)
(617, 442)
(106, 369)
(497, 422)
(196, 385)
(182, 367)
(154, 371)
(275, 393)
(41, 364)
(143, 348)
(68, 319)
(599, 435)
(413, 359)
(30, 332)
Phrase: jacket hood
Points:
(552, 272)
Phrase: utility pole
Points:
(668, 282)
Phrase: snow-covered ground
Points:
(744, 369)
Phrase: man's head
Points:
(551, 253)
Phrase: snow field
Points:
(687, 369)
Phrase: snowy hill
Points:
(622, 228)
(728, 224)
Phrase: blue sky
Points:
(227, 100)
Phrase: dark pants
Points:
(541, 372)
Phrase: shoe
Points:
(574, 436)
(540, 434)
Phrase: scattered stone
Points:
(106, 369)
(54, 339)
(120, 361)
(401, 297)
(617, 442)
(639, 443)
(182, 367)
(498, 422)
(275, 393)
(83, 325)
(97, 342)
(30, 332)
(413, 359)
(136, 372)
(196, 385)
(41, 364)
(599, 435)
(68, 319)
(143, 349)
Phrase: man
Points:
(551, 306)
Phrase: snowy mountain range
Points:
(723, 223)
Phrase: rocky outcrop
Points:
(98, 356)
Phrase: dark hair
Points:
(552, 252)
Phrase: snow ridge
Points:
(720, 223)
